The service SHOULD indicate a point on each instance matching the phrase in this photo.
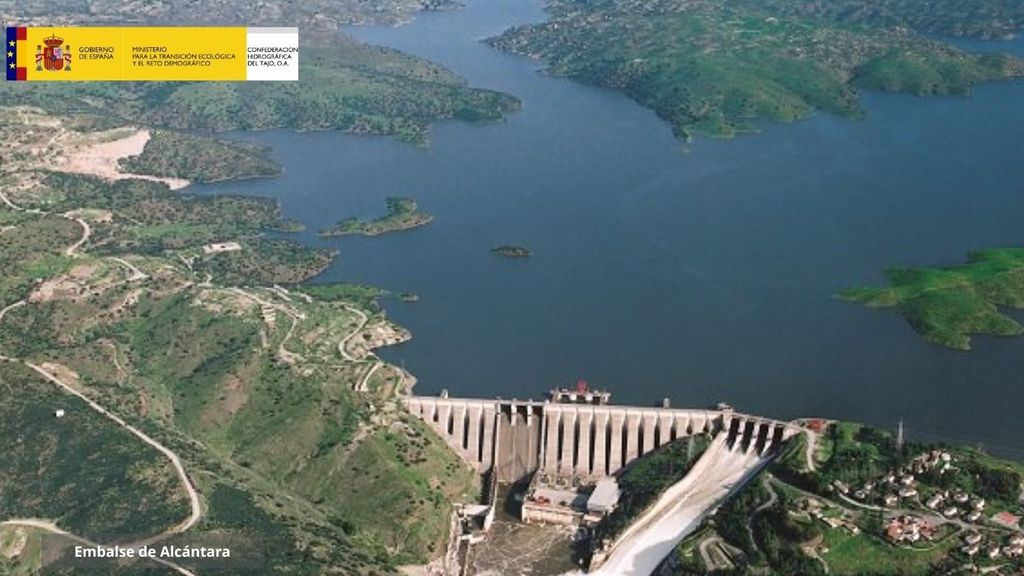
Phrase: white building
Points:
(604, 497)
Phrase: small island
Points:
(403, 214)
(512, 251)
(408, 297)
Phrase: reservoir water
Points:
(703, 272)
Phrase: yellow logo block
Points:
(76, 54)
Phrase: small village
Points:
(846, 496)
(919, 513)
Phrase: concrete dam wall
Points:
(576, 441)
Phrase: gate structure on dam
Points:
(575, 441)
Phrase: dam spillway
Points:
(571, 441)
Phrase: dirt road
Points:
(196, 508)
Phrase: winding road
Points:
(196, 507)
(4, 313)
(86, 232)
(283, 353)
(196, 510)
(363, 319)
(364, 384)
(9, 308)
(136, 273)
(16, 208)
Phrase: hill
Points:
(715, 67)
(176, 315)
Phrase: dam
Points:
(573, 442)
(564, 454)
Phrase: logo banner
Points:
(160, 54)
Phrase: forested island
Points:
(512, 251)
(716, 66)
(948, 305)
(402, 214)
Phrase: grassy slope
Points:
(31, 248)
(83, 471)
(849, 554)
(948, 305)
(715, 66)
(304, 432)
(291, 438)
(400, 484)
(975, 18)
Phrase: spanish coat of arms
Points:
(55, 56)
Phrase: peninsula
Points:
(950, 304)
(402, 214)
(716, 66)
(345, 86)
